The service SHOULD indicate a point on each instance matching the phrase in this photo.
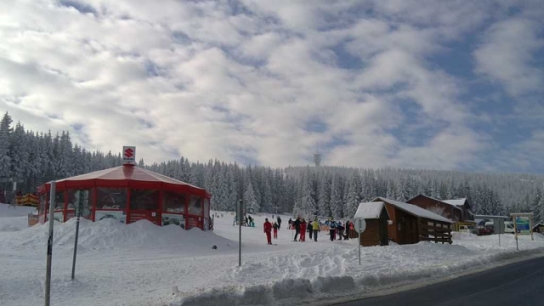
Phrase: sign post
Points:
(240, 218)
(359, 226)
(522, 225)
(50, 243)
(500, 228)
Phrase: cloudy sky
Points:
(398, 83)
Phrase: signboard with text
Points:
(523, 225)
(129, 154)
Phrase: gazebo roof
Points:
(125, 176)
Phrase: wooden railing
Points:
(434, 231)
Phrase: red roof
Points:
(126, 176)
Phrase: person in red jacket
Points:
(303, 230)
(268, 230)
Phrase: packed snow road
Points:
(142, 264)
(515, 284)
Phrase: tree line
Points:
(34, 158)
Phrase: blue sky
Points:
(384, 83)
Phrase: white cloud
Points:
(208, 80)
(508, 55)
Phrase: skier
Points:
(348, 224)
(303, 230)
(296, 225)
(267, 230)
(279, 222)
(332, 228)
(315, 227)
(275, 227)
(340, 229)
(310, 228)
(290, 223)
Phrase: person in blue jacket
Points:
(332, 228)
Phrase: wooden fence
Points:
(430, 230)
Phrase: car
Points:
(485, 230)
(468, 229)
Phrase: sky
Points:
(453, 85)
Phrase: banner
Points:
(176, 219)
(110, 214)
(523, 225)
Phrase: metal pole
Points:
(516, 231)
(50, 244)
(500, 226)
(359, 243)
(78, 215)
(240, 233)
(531, 226)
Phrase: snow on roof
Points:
(415, 210)
(442, 201)
(456, 202)
(369, 210)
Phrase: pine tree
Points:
(324, 198)
(305, 206)
(250, 202)
(353, 199)
(336, 196)
(5, 158)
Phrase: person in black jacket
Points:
(340, 229)
(296, 225)
(279, 222)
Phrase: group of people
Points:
(337, 229)
(248, 221)
(301, 227)
(268, 227)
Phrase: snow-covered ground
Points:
(142, 264)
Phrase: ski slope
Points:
(142, 264)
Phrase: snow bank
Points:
(429, 262)
(143, 264)
(108, 234)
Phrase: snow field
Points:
(142, 264)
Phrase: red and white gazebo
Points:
(128, 193)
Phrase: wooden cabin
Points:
(467, 215)
(457, 210)
(412, 224)
(376, 217)
(539, 228)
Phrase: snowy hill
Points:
(142, 264)
(15, 211)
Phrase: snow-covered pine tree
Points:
(250, 202)
(336, 196)
(324, 197)
(19, 154)
(232, 199)
(5, 158)
(266, 194)
(305, 206)
(353, 199)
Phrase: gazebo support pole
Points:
(50, 244)
(78, 215)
